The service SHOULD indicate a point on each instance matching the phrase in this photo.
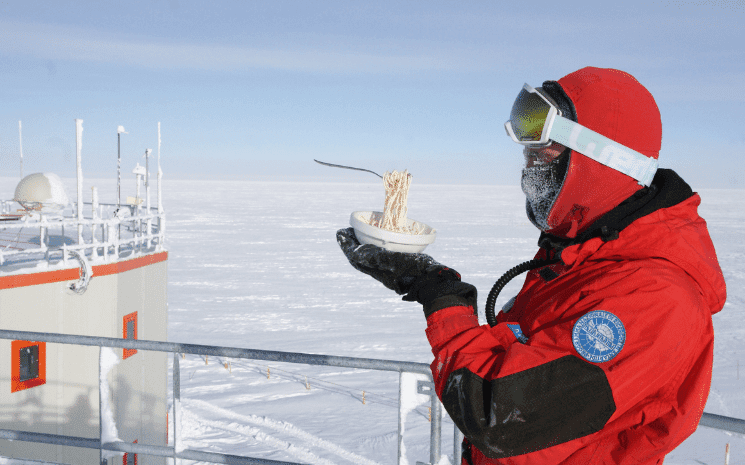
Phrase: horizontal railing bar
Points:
(87, 245)
(29, 461)
(213, 457)
(86, 221)
(711, 420)
(234, 352)
(125, 245)
(56, 439)
(119, 446)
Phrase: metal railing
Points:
(708, 420)
(176, 451)
(108, 232)
(733, 425)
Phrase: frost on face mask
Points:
(541, 185)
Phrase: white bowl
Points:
(393, 241)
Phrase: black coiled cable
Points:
(491, 300)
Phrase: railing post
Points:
(100, 409)
(400, 414)
(176, 405)
(457, 445)
(435, 430)
(435, 418)
(43, 238)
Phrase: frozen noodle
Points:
(396, 195)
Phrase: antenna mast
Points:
(78, 149)
(20, 141)
(160, 175)
(119, 132)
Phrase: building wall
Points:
(68, 403)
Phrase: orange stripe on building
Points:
(46, 277)
(121, 267)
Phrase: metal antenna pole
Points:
(118, 186)
(119, 131)
(79, 148)
(147, 179)
(149, 222)
(20, 142)
(160, 175)
(119, 169)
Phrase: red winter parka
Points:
(603, 358)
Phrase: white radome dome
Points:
(42, 192)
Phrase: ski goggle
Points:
(531, 117)
(535, 121)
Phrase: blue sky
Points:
(257, 90)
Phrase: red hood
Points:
(676, 234)
(614, 104)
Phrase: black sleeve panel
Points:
(534, 409)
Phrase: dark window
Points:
(29, 366)
(129, 331)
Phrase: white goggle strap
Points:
(603, 150)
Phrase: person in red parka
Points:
(605, 354)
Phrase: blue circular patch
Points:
(598, 336)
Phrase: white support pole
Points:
(119, 169)
(149, 222)
(160, 175)
(79, 147)
(42, 238)
(161, 220)
(20, 143)
(94, 218)
(119, 131)
(94, 202)
(147, 179)
(137, 191)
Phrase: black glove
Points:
(417, 275)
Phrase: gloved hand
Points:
(417, 275)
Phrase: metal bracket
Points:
(86, 271)
(425, 387)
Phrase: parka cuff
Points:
(448, 322)
(446, 301)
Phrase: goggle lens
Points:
(528, 116)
